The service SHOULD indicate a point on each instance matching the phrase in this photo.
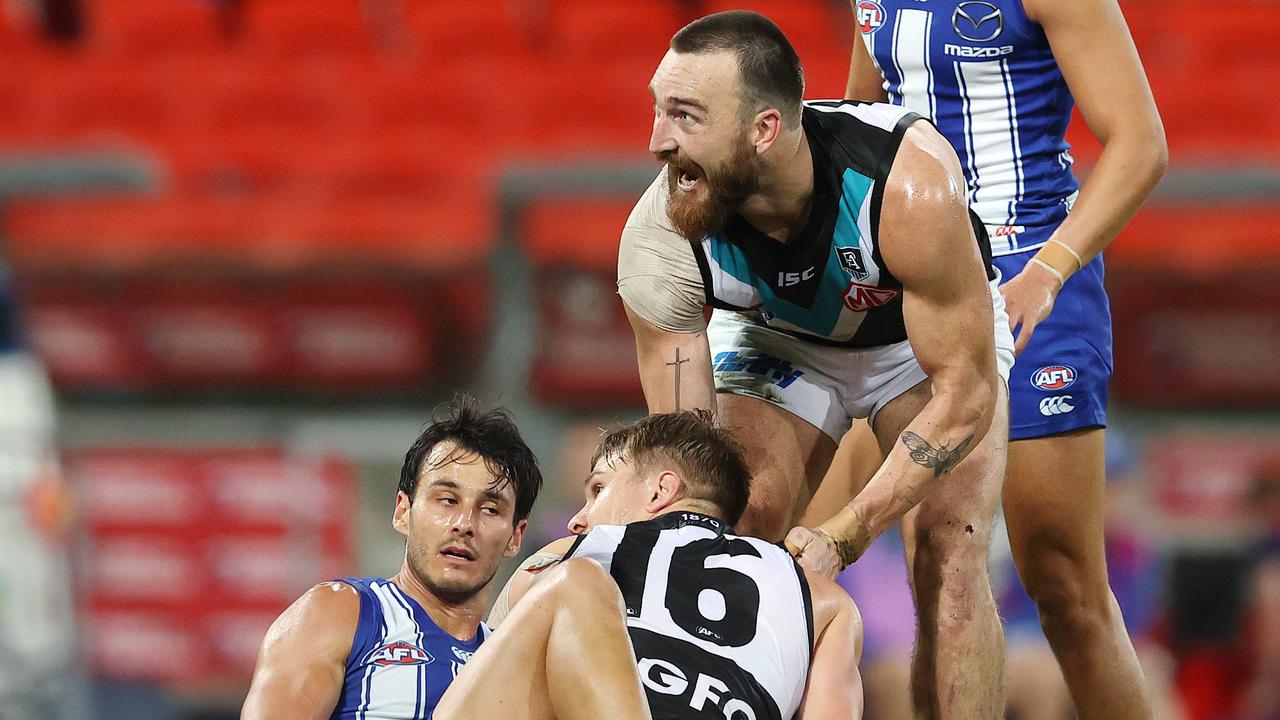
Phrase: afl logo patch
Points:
(870, 16)
(1052, 378)
(401, 653)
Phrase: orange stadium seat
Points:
(147, 27)
(1198, 240)
(455, 30)
(120, 234)
(442, 232)
(809, 25)
(577, 111)
(596, 30)
(115, 96)
(417, 161)
(581, 232)
(19, 32)
(307, 27)
(418, 94)
(434, 233)
(283, 95)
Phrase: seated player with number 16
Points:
(722, 625)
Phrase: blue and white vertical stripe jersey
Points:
(983, 72)
(401, 662)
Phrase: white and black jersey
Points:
(722, 625)
(830, 284)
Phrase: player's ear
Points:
(667, 488)
(400, 516)
(517, 537)
(767, 128)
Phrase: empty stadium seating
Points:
(299, 134)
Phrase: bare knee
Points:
(1069, 593)
(950, 562)
(577, 582)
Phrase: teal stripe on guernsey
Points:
(854, 188)
(828, 303)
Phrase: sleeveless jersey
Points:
(722, 625)
(401, 662)
(830, 284)
(983, 72)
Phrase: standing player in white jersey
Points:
(723, 626)
(998, 78)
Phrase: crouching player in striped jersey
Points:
(388, 648)
(722, 626)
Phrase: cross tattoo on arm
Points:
(677, 363)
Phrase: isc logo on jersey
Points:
(1052, 378)
(662, 677)
(401, 653)
(870, 16)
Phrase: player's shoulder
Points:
(650, 211)
(926, 172)
(331, 601)
(323, 620)
(882, 116)
(829, 601)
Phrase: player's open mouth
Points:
(458, 553)
(686, 181)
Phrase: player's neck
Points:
(780, 208)
(701, 507)
(461, 620)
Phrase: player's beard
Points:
(452, 590)
(705, 211)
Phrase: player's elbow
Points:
(1145, 151)
(1158, 154)
(973, 397)
(1152, 154)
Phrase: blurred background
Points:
(248, 245)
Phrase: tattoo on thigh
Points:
(941, 458)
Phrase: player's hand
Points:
(1029, 298)
(815, 551)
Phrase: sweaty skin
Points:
(302, 662)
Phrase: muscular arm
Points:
(303, 657)
(865, 80)
(1096, 55)
(834, 688)
(661, 289)
(675, 368)
(927, 243)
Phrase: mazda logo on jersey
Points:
(861, 298)
(401, 653)
(870, 16)
(977, 21)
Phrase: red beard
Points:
(705, 210)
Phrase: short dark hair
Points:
(492, 435)
(769, 66)
(708, 458)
